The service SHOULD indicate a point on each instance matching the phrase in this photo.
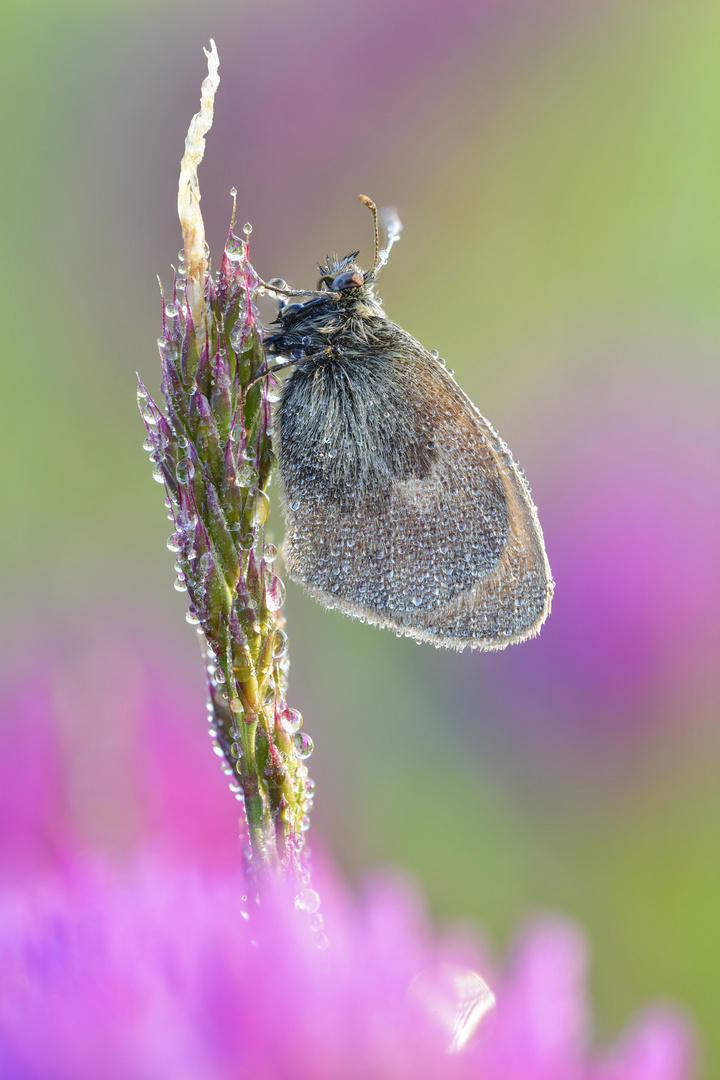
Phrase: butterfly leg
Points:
(278, 287)
(265, 370)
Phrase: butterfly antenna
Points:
(392, 224)
(373, 210)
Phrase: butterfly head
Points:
(344, 290)
(345, 278)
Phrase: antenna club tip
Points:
(368, 202)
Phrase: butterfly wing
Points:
(403, 505)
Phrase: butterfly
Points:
(403, 506)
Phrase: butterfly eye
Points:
(350, 279)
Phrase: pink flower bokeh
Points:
(152, 963)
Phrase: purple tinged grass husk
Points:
(212, 450)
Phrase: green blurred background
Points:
(557, 169)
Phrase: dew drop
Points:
(234, 249)
(294, 718)
(261, 509)
(245, 477)
(454, 999)
(274, 592)
(280, 646)
(269, 553)
(184, 472)
(308, 901)
(303, 744)
(270, 691)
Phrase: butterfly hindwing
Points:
(403, 505)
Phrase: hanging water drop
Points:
(261, 509)
(280, 646)
(274, 592)
(234, 249)
(294, 719)
(303, 744)
(308, 901)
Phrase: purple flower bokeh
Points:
(152, 964)
(633, 640)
